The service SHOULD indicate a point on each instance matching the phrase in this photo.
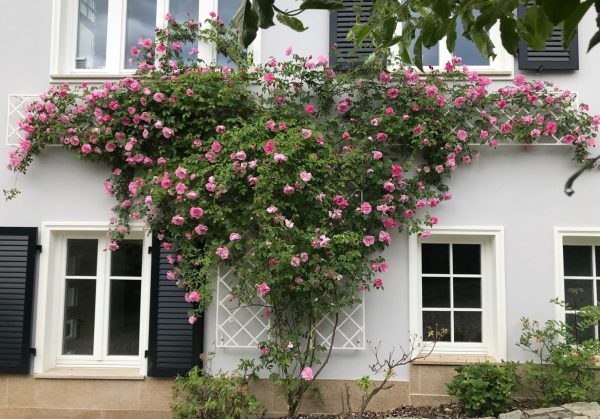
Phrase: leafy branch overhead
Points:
(424, 23)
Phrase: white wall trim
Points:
(494, 317)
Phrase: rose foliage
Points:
(293, 175)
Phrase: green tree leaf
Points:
(570, 23)
(559, 10)
(322, 4)
(594, 41)
(292, 22)
(246, 21)
(508, 34)
(265, 11)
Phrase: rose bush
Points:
(290, 173)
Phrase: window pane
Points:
(436, 320)
(82, 257)
(226, 11)
(80, 307)
(467, 326)
(579, 293)
(597, 260)
(435, 258)
(466, 49)
(436, 292)
(580, 335)
(577, 260)
(184, 10)
(466, 259)
(127, 260)
(91, 34)
(141, 21)
(467, 292)
(124, 323)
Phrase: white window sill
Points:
(76, 373)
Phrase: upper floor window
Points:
(94, 37)
(436, 56)
(457, 285)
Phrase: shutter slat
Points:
(554, 56)
(174, 346)
(17, 267)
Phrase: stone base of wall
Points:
(32, 398)
(27, 397)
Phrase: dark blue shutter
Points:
(17, 270)
(174, 346)
(340, 23)
(554, 57)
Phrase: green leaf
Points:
(358, 33)
(559, 10)
(594, 41)
(292, 22)
(451, 34)
(246, 21)
(442, 8)
(509, 35)
(570, 24)
(418, 53)
(537, 28)
(322, 4)
(388, 28)
(265, 11)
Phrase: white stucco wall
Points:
(510, 187)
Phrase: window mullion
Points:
(101, 301)
(207, 51)
(115, 35)
(444, 54)
(451, 246)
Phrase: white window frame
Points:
(63, 46)
(50, 295)
(492, 288)
(500, 68)
(585, 236)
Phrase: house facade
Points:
(507, 243)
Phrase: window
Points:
(94, 302)
(457, 284)
(94, 37)
(579, 277)
(437, 56)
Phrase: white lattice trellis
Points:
(350, 332)
(543, 140)
(237, 326)
(16, 112)
(246, 326)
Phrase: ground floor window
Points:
(580, 280)
(457, 285)
(93, 303)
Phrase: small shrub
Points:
(563, 370)
(220, 396)
(484, 389)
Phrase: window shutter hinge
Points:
(33, 351)
(38, 248)
(146, 353)
(149, 250)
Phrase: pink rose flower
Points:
(307, 374)
(222, 252)
(378, 283)
(262, 289)
(368, 240)
(192, 297)
(196, 212)
(178, 220)
(365, 208)
(305, 176)
(201, 229)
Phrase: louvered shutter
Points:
(344, 55)
(554, 57)
(174, 346)
(17, 270)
